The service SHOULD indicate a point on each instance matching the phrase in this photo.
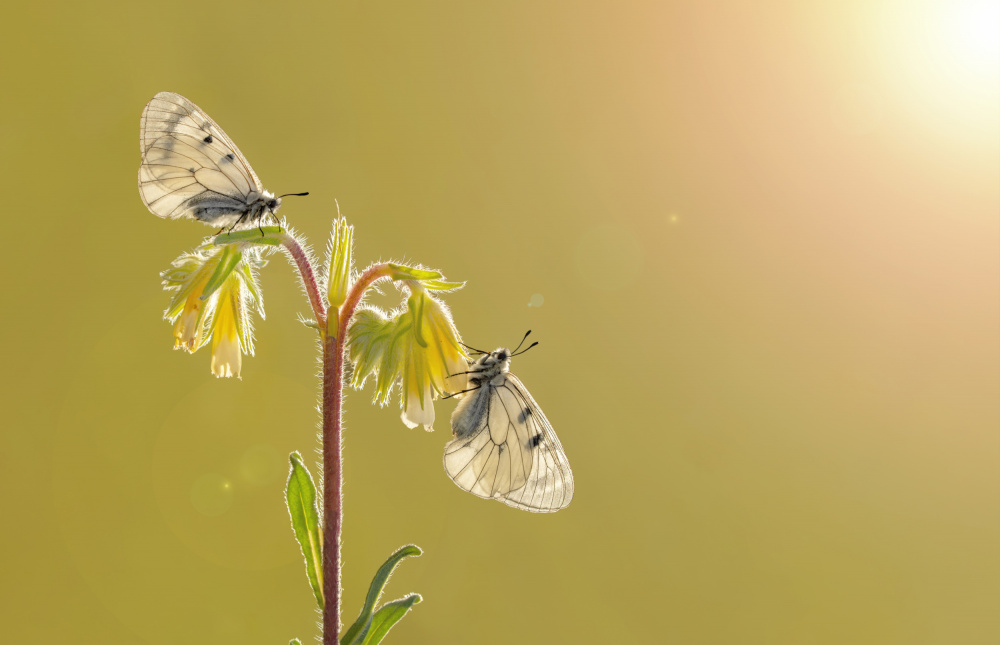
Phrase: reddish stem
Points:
(333, 473)
(308, 278)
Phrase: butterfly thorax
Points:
(491, 368)
(260, 204)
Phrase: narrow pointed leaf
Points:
(300, 494)
(356, 634)
(388, 615)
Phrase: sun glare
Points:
(944, 58)
(970, 34)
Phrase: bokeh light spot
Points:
(212, 494)
(537, 300)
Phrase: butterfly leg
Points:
(448, 396)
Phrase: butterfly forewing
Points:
(190, 167)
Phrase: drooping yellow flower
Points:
(213, 290)
(227, 355)
(433, 360)
(417, 346)
(190, 322)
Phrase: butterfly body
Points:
(504, 448)
(191, 169)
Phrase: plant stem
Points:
(333, 472)
(298, 254)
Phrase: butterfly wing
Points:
(190, 167)
(504, 448)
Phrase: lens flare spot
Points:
(212, 494)
(537, 300)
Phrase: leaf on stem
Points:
(358, 633)
(300, 494)
(390, 614)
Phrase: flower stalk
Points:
(333, 472)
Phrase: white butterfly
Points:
(504, 447)
(191, 169)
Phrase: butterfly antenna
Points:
(293, 195)
(521, 343)
(473, 349)
(525, 349)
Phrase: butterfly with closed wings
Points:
(191, 169)
(504, 448)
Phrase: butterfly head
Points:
(501, 356)
(271, 202)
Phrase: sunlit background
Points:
(758, 242)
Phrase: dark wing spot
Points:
(502, 448)
(230, 157)
(534, 441)
(525, 413)
(190, 169)
(208, 139)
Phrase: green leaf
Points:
(358, 632)
(403, 272)
(295, 641)
(390, 614)
(228, 261)
(300, 494)
(272, 236)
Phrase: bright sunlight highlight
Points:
(944, 58)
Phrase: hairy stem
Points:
(334, 337)
(298, 254)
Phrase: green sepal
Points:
(403, 272)
(295, 641)
(388, 615)
(442, 286)
(357, 633)
(415, 303)
(300, 495)
(367, 338)
(272, 236)
(229, 260)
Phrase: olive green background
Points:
(766, 241)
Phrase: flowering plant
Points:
(213, 291)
